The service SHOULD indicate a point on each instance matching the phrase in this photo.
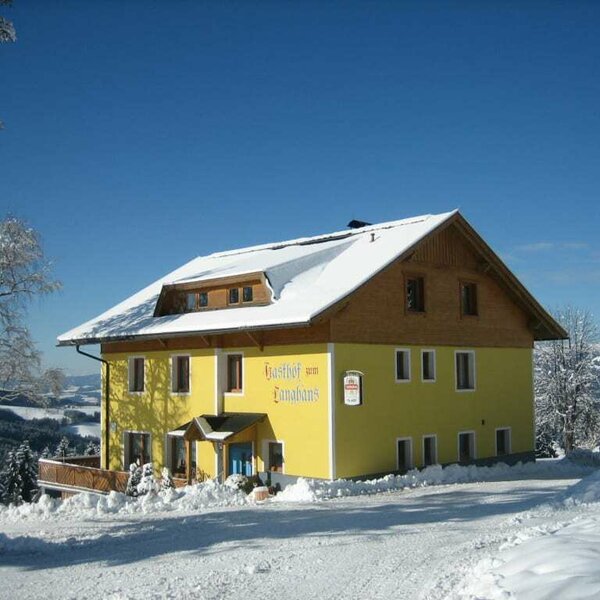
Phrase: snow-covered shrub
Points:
(147, 484)
(241, 482)
(135, 476)
(166, 481)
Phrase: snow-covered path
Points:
(409, 544)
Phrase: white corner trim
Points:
(331, 412)
(217, 352)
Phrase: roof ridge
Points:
(323, 237)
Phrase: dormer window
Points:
(190, 302)
(213, 294)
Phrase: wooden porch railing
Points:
(56, 474)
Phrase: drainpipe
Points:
(106, 397)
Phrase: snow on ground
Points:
(84, 429)
(427, 541)
(558, 559)
(36, 412)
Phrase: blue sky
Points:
(140, 134)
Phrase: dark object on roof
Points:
(354, 224)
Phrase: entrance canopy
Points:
(218, 428)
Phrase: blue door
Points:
(240, 459)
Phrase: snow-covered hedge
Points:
(310, 490)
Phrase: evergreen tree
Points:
(28, 472)
(45, 453)
(92, 449)
(12, 483)
(62, 450)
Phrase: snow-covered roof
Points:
(307, 276)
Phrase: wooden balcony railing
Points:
(57, 474)
(75, 475)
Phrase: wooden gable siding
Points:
(447, 248)
(376, 313)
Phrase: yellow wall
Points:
(296, 404)
(157, 410)
(301, 424)
(366, 435)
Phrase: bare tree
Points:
(7, 29)
(7, 33)
(567, 375)
(24, 273)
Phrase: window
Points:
(180, 374)
(190, 301)
(203, 299)
(177, 458)
(234, 295)
(234, 373)
(402, 365)
(137, 448)
(247, 293)
(502, 441)
(415, 294)
(465, 370)
(466, 446)
(404, 454)
(468, 299)
(275, 457)
(429, 450)
(177, 454)
(428, 365)
(136, 374)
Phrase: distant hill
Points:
(77, 390)
(89, 381)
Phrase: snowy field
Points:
(525, 532)
(36, 412)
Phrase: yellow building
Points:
(372, 350)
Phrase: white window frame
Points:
(430, 351)
(126, 445)
(435, 457)
(411, 459)
(509, 429)
(130, 360)
(226, 378)
(474, 361)
(474, 448)
(266, 455)
(172, 358)
(408, 364)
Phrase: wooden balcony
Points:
(82, 474)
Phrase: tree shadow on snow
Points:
(132, 539)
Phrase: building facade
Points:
(358, 353)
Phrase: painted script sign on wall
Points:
(292, 382)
